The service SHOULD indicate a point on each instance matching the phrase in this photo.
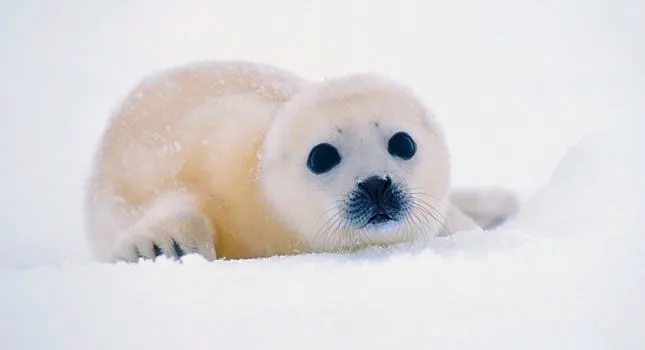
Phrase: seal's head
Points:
(356, 161)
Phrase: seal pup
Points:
(244, 160)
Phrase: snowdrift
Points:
(565, 274)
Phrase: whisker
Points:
(419, 200)
(434, 224)
(411, 220)
(423, 222)
(428, 206)
(409, 231)
(422, 194)
(328, 227)
(433, 212)
(430, 210)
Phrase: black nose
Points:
(375, 187)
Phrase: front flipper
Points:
(488, 207)
(457, 221)
(171, 227)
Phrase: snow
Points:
(512, 288)
(526, 91)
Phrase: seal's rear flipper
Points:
(488, 207)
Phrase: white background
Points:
(514, 83)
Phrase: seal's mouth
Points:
(378, 219)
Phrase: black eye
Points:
(402, 145)
(322, 158)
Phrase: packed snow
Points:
(546, 98)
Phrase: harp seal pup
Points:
(232, 159)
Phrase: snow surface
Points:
(518, 86)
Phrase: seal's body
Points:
(240, 160)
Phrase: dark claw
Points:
(158, 251)
(180, 252)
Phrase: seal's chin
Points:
(382, 229)
(379, 219)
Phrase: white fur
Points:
(353, 104)
(244, 131)
(488, 207)
(172, 217)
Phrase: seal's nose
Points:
(375, 187)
